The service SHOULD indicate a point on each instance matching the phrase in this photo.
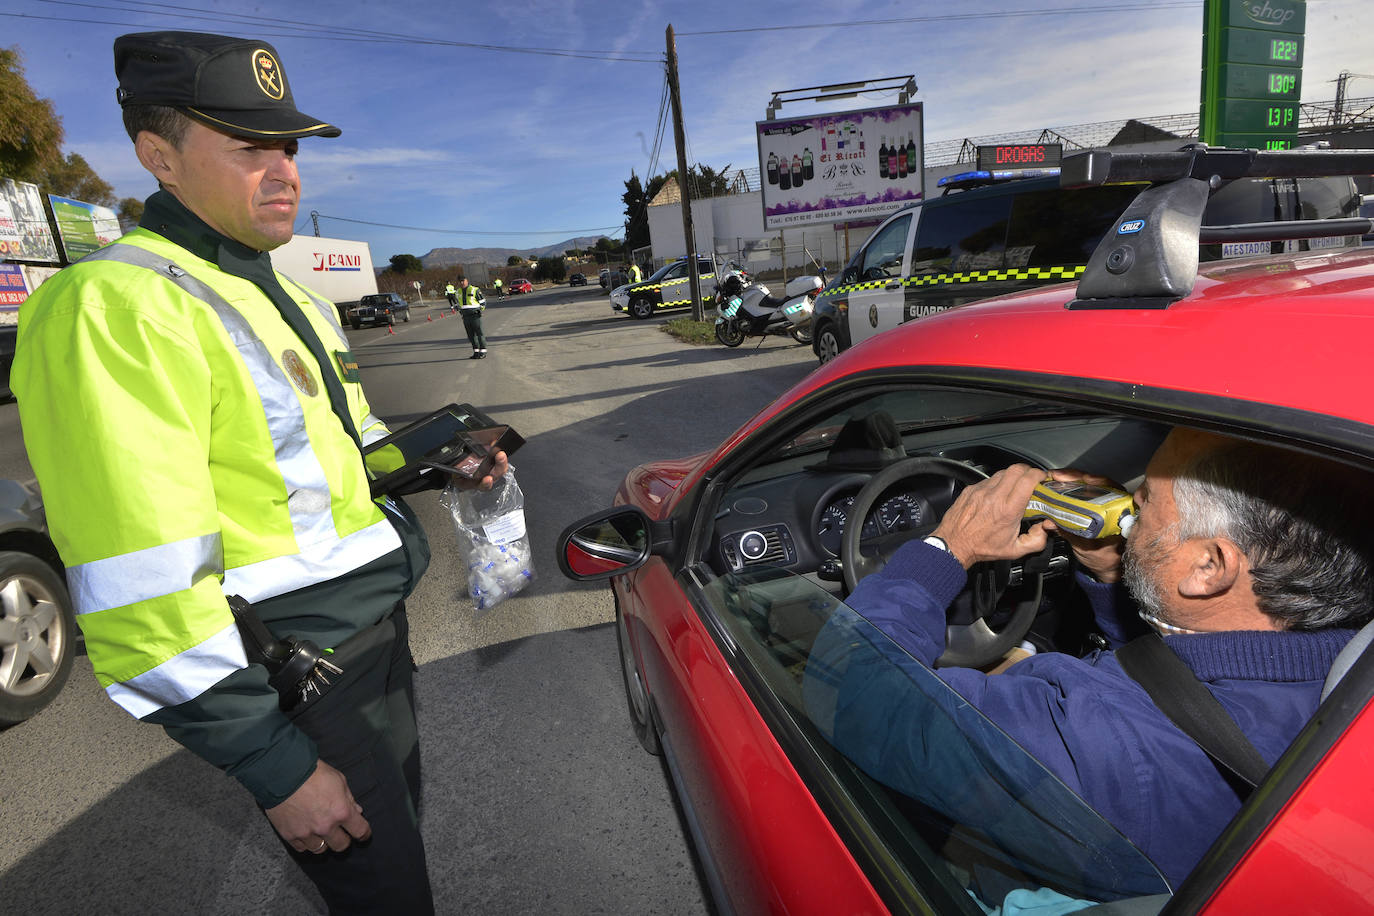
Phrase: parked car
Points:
(381, 308)
(577, 279)
(8, 334)
(605, 276)
(988, 236)
(666, 288)
(729, 572)
(37, 627)
(521, 285)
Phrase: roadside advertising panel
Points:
(83, 227)
(841, 166)
(24, 231)
(13, 291)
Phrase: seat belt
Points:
(1178, 693)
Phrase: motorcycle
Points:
(748, 309)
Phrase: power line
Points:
(955, 17)
(365, 222)
(290, 28)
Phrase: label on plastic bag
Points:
(507, 528)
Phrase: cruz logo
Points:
(330, 261)
(1130, 226)
(1270, 12)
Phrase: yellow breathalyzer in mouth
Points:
(1084, 509)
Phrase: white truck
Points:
(338, 269)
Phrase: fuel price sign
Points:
(1252, 72)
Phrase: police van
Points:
(992, 234)
(668, 287)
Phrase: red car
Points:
(727, 568)
(521, 286)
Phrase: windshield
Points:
(965, 795)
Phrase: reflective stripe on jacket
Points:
(469, 297)
(182, 436)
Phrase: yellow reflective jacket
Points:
(186, 448)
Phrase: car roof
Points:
(1290, 331)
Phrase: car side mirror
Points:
(606, 544)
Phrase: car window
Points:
(882, 256)
(1052, 228)
(961, 237)
(674, 271)
(975, 807)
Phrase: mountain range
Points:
(497, 257)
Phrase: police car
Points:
(993, 233)
(666, 288)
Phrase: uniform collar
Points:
(169, 218)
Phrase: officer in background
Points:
(195, 420)
(500, 288)
(471, 304)
(452, 295)
(635, 275)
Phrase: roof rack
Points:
(1149, 259)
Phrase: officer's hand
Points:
(321, 814)
(985, 521)
(1099, 557)
(498, 470)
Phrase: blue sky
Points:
(523, 149)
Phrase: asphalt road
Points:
(537, 797)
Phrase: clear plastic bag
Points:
(492, 539)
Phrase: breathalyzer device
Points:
(1084, 509)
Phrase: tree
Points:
(636, 213)
(130, 211)
(553, 269)
(30, 130)
(515, 261)
(702, 182)
(73, 177)
(406, 264)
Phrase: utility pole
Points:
(698, 311)
(315, 218)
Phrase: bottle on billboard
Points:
(910, 152)
(901, 161)
(861, 141)
(772, 168)
(808, 164)
(892, 161)
(784, 175)
(796, 171)
(882, 158)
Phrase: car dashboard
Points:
(792, 512)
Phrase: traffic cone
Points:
(429, 318)
(390, 329)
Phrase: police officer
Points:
(470, 306)
(500, 288)
(196, 422)
(635, 275)
(452, 295)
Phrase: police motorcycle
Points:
(748, 309)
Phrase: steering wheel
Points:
(966, 645)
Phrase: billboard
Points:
(83, 227)
(24, 231)
(840, 166)
(13, 289)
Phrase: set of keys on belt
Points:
(296, 668)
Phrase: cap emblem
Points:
(268, 74)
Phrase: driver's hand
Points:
(1099, 557)
(985, 521)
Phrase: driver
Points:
(1252, 563)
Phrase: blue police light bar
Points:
(997, 175)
